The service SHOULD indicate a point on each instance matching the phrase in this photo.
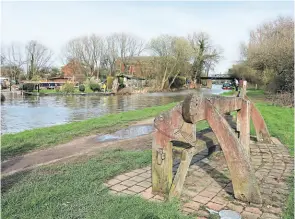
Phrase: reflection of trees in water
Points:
(71, 101)
(112, 104)
(33, 100)
(3, 121)
(95, 102)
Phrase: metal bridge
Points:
(218, 77)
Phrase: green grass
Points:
(251, 93)
(229, 93)
(53, 91)
(23, 142)
(76, 190)
(280, 122)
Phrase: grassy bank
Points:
(76, 190)
(23, 142)
(54, 91)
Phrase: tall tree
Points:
(111, 53)
(270, 52)
(13, 60)
(129, 46)
(206, 55)
(38, 57)
(171, 54)
(87, 50)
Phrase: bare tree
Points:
(111, 53)
(88, 51)
(129, 46)
(38, 57)
(13, 59)
(123, 47)
(205, 54)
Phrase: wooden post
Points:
(243, 125)
(162, 162)
(261, 130)
(243, 88)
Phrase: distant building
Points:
(141, 66)
(73, 71)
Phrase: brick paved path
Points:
(208, 185)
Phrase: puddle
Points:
(130, 132)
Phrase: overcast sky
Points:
(54, 23)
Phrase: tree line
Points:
(267, 59)
(162, 58)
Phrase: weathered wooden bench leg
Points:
(243, 125)
(262, 133)
(177, 185)
(243, 179)
(161, 165)
(261, 130)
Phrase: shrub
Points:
(81, 87)
(68, 88)
(94, 87)
(29, 87)
(110, 82)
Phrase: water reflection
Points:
(21, 113)
(130, 132)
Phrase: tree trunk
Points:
(173, 80)
(164, 79)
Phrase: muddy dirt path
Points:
(77, 147)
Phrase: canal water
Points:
(22, 113)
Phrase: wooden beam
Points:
(262, 133)
(243, 179)
(181, 173)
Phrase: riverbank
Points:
(23, 142)
(68, 94)
(65, 189)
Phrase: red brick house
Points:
(141, 66)
(73, 71)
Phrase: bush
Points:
(110, 82)
(68, 88)
(29, 87)
(81, 87)
(94, 87)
